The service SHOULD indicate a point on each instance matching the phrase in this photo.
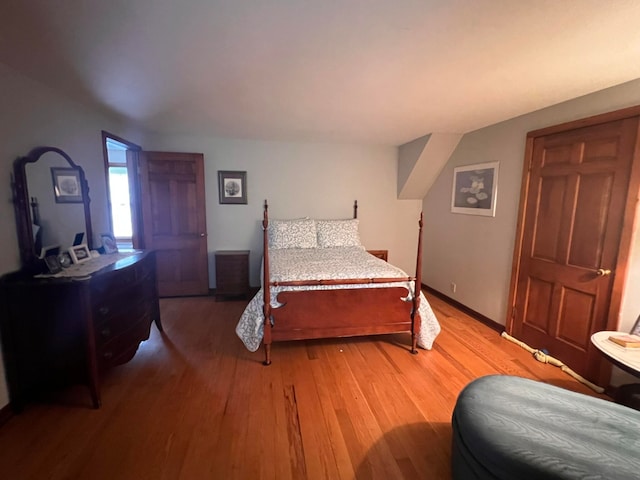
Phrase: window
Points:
(120, 202)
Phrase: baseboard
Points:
(5, 414)
(250, 295)
(472, 313)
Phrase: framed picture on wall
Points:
(232, 187)
(66, 185)
(475, 188)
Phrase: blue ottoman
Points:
(513, 428)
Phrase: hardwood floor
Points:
(195, 404)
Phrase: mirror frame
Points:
(30, 260)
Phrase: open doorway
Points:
(120, 160)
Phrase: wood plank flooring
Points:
(195, 404)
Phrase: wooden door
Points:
(173, 219)
(571, 232)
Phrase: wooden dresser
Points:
(232, 273)
(62, 331)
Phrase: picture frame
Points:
(232, 187)
(80, 253)
(53, 264)
(109, 243)
(66, 185)
(49, 250)
(475, 189)
(78, 238)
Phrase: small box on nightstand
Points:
(379, 253)
(232, 273)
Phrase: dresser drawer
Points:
(235, 276)
(120, 349)
(232, 272)
(121, 319)
(115, 283)
(107, 303)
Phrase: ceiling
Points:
(378, 72)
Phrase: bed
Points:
(318, 281)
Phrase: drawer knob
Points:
(104, 310)
(105, 332)
(107, 355)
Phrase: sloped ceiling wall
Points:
(421, 161)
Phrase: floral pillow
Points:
(298, 233)
(338, 233)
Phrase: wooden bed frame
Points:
(314, 314)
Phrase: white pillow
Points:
(298, 233)
(338, 233)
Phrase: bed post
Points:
(355, 209)
(266, 287)
(416, 321)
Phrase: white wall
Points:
(315, 180)
(476, 252)
(32, 115)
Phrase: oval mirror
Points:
(52, 204)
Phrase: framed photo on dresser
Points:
(53, 264)
(109, 243)
(80, 253)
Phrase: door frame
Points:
(628, 224)
(134, 185)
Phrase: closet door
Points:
(575, 231)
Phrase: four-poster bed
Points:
(319, 282)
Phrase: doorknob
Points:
(202, 234)
(601, 272)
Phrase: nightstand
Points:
(232, 273)
(379, 253)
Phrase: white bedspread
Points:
(323, 264)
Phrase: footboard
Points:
(341, 313)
